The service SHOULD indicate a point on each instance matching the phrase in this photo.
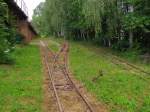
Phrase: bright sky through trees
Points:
(31, 4)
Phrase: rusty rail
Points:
(66, 72)
(64, 50)
(132, 65)
(51, 78)
(123, 61)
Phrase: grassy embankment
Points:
(121, 89)
(21, 83)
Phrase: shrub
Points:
(7, 35)
(121, 45)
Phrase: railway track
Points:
(127, 65)
(67, 95)
(123, 62)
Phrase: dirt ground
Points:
(71, 101)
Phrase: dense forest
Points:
(119, 24)
(7, 33)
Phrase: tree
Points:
(7, 33)
(113, 23)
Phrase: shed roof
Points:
(16, 9)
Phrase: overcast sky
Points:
(31, 4)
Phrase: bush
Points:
(7, 35)
(121, 45)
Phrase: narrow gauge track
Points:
(119, 61)
(131, 65)
(127, 65)
(68, 96)
(138, 71)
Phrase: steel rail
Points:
(79, 93)
(52, 82)
(131, 65)
(125, 62)
(66, 73)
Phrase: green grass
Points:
(20, 84)
(54, 46)
(134, 57)
(120, 89)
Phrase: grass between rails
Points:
(20, 84)
(55, 46)
(134, 57)
(130, 56)
(120, 89)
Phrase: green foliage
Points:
(20, 84)
(127, 20)
(7, 34)
(37, 19)
(121, 45)
(140, 17)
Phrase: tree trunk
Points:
(109, 42)
(87, 35)
(84, 36)
(131, 39)
(104, 42)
